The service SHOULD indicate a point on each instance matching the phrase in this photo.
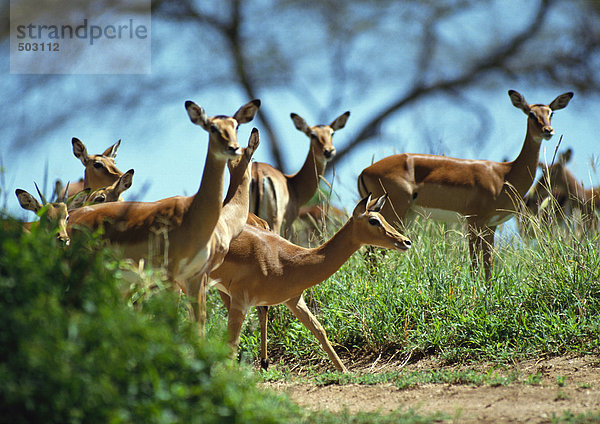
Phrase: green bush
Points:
(72, 351)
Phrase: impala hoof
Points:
(264, 363)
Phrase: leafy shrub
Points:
(72, 351)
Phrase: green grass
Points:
(543, 299)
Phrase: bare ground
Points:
(515, 403)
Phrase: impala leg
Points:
(475, 245)
(234, 326)
(196, 291)
(488, 250)
(263, 319)
(481, 246)
(301, 311)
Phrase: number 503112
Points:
(38, 47)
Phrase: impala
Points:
(262, 268)
(100, 170)
(55, 213)
(234, 216)
(175, 230)
(558, 184)
(113, 192)
(482, 191)
(277, 197)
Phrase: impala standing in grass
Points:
(277, 197)
(482, 191)
(263, 269)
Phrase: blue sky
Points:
(167, 151)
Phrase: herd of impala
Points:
(237, 244)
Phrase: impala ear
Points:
(561, 101)
(27, 201)
(377, 204)
(565, 156)
(362, 206)
(111, 152)
(246, 113)
(518, 101)
(300, 123)
(80, 151)
(339, 122)
(125, 181)
(253, 142)
(197, 114)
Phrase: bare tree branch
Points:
(496, 60)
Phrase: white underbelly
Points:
(499, 219)
(453, 217)
(437, 214)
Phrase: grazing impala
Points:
(262, 268)
(56, 212)
(558, 184)
(100, 170)
(276, 197)
(175, 230)
(482, 191)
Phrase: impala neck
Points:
(305, 182)
(319, 263)
(237, 200)
(524, 167)
(206, 206)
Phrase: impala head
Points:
(51, 214)
(321, 136)
(112, 192)
(538, 124)
(100, 170)
(372, 228)
(223, 129)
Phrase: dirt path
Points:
(529, 403)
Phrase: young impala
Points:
(262, 268)
(276, 197)
(176, 230)
(482, 191)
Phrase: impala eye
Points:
(98, 165)
(375, 222)
(214, 128)
(100, 199)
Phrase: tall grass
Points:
(543, 298)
